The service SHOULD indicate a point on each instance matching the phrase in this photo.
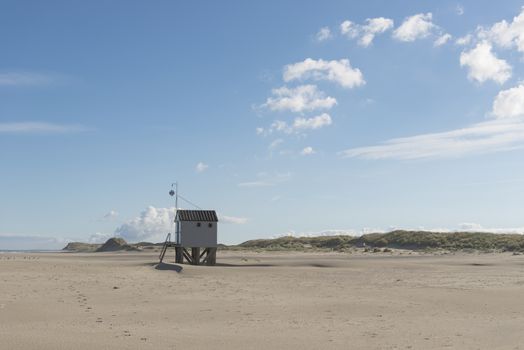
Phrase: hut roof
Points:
(196, 215)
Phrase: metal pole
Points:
(176, 194)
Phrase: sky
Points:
(287, 117)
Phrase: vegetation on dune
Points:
(415, 240)
(412, 240)
(81, 247)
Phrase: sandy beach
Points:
(261, 301)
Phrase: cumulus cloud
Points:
(486, 137)
(483, 65)
(367, 32)
(506, 35)
(323, 233)
(201, 167)
(39, 128)
(349, 29)
(441, 40)
(459, 10)
(301, 124)
(373, 27)
(464, 40)
(152, 224)
(339, 72)
(300, 99)
(464, 227)
(474, 227)
(504, 132)
(323, 34)
(415, 27)
(312, 123)
(509, 103)
(307, 151)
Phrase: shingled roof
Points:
(196, 215)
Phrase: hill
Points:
(81, 247)
(115, 244)
(400, 239)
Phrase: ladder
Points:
(167, 244)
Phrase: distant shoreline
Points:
(31, 251)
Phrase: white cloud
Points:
(152, 224)
(323, 34)
(486, 137)
(415, 27)
(339, 72)
(301, 124)
(201, 167)
(474, 227)
(349, 29)
(483, 65)
(464, 40)
(39, 127)
(307, 151)
(464, 227)
(232, 220)
(468, 226)
(267, 180)
(312, 123)
(323, 233)
(25, 79)
(299, 99)
(367, 32)
(373, 27)
(509, 103)
(441, 40)
(506, 35)
(459, 10)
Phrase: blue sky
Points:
(296, 117)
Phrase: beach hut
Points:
(196, 228)
(195, 238)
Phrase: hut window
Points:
(210, 225)
(198, 224)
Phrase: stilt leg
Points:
(211, 256)
(179, 257)
(195, 255)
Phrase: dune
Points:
(116, 244)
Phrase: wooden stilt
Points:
(195, 255)
(179, 257)
(211, 257)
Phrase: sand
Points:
(262, 301)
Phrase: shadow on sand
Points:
(170, 267)
(243, 265)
